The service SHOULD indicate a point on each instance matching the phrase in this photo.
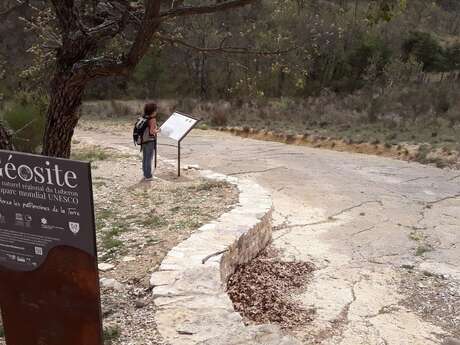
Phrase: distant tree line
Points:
(341, 46)
(270, 49)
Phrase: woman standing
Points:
(149, 139)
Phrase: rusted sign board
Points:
(49, 284)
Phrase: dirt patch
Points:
(261, 290)
(137, 224)
(434, 298)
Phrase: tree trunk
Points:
(203, 77)
(5, 138)
(62, 116)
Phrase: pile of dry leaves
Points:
(261, 290)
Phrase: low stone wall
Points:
(247, 246)
(189, 288)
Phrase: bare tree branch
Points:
(28, 124)
(192, 10)
(103, 67)
(5, 137)
(106, 30)
(144, 37)
(81, 39)
(221, 48)
(120, 12)
(83, 35)
(71, 25)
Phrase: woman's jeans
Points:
(148, 149)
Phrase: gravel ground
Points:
(137, 223)
(434, 298)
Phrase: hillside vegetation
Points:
(363, 70)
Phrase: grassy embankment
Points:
(397, 130)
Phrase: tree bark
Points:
(62, 116)
(5, 138)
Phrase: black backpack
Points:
(139, 128)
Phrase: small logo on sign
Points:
(44, 221)
(38, 250)
(19, 219)
(27, 220)
(20, 259)
(74, 227)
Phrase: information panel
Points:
(177, 126)
(44, 204)
(49, 284)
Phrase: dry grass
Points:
(424, 153)
(410, 124)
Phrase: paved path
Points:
(358, 218)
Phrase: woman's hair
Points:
(150, 108)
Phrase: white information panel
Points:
(177, 126)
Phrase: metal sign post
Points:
(156, 151)
(49, 281)
(178, 158)
(176, 127)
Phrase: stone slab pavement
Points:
(358, 218)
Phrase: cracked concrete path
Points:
(359, 219)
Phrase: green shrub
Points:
(203, 126)
(427, 49)
(372, 49)
(111, 334)
(25, 115)
(365, 60)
